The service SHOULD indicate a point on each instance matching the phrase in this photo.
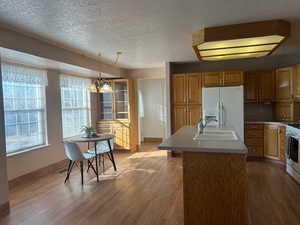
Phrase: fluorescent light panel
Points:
(241, 42)
(236, 56)
(226, 51)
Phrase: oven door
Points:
(293, 152)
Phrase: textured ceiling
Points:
(149, 32)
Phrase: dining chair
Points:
(104, 148)
(74, 155)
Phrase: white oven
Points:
(293, 152)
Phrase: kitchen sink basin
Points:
(217, 135)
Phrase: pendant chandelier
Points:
(102, 85)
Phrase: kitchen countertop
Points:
(182, 140)
(266, 122)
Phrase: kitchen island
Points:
(214, 175)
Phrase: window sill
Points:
(27, 150)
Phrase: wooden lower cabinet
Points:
(194, 114)
(123, 133)
(183, 115)
(179, 117)
(254, 140)
(272, 142)
(265, 141)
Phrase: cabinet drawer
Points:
(255, 151)
(254, 142)
(254, 127)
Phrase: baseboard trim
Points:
(152, 139)
(4, 209)
(53, 168)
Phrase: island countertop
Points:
(183, 140)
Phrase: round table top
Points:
(101, 137)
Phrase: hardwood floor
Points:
(147, 192)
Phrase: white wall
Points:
(151, 108)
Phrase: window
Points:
(24, 107)
(75, 100)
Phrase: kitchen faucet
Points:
(202, 124)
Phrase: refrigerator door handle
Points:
(222, 114)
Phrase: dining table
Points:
(95, 139)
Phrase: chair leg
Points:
(81, 171)
(112, 155)
(70, 167)
(103, 166)
(89, 165)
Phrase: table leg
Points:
(96, 156)
(112, 155)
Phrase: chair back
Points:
(72, 151)
(102, 146)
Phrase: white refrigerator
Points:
(224, 106)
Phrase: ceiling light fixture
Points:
(240, 41)
(102, 85)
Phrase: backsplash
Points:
(259, 112)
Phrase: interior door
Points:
(233, 108)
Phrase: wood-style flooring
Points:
(147, 192)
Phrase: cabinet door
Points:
(283, 84)
(179, 117)
(232, 78)
(212, 79)
(271, 146)
(121, 99)
(121, 140)
(179, 95)
(194, 114)
(194, 88)
(283, 111)
(267, 86)
(296, 81)
(251, 87)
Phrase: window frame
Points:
(45, 124)
(88, 108)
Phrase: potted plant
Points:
(88, 131)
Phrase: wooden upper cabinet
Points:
(272, 141)
(284, 84)
(179, 118)
(259, 86)
(179, 95)
(194, 114)
(251, 87)
(267, 86)
(227, 78)
(232, 78)
(284, 111)
(212, 79)
(194, 88)
(296, 82)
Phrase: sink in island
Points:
(214, 175)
